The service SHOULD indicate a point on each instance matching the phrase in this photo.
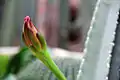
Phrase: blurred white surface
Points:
(9, 50)
(65, 53)
(55, 52)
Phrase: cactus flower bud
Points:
(36, 42)
(31, 36)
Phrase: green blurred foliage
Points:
(3, 64)
(12, 65)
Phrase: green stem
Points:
(52, 66)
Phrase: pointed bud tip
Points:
(27, 19)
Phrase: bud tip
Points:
(27, 19)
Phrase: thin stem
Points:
(52, 66)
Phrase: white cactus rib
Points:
(105, 56)
(87, 39)
(97, 53)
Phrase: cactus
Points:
(99, 41)
(114, 72)
(98, 46)
(37, 71)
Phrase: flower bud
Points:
(31, 36)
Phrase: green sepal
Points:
(42, 41)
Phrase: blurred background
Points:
(64, 24)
